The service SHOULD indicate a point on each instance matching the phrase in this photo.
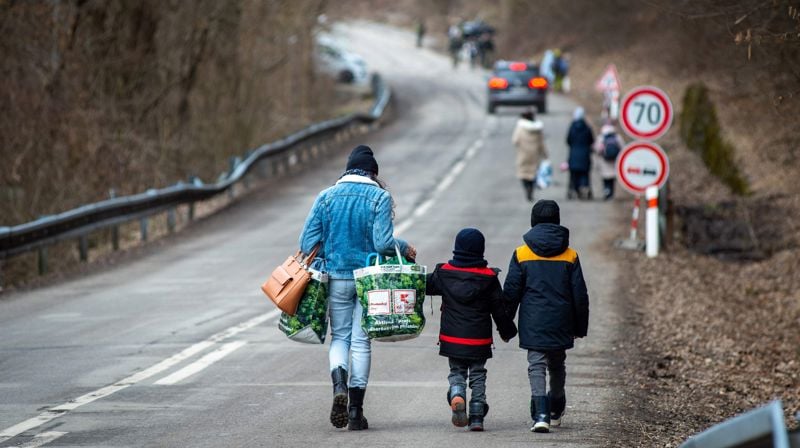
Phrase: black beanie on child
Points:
(545, 211)
(468, 250)
(362, 159)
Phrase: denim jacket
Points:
(352, 219)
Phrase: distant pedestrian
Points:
(579, 139)
(471, 297)
(350, 220)
(456, 40)
(421, 29)
(545, 280)
(529, 144)
(559, 69)
(608, 147)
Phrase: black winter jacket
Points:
(580, 139)
(546, 281)
(469, 297)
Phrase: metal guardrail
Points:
(80, 221)
(762, 427)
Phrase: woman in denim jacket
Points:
(351, 219)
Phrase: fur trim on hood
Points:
(530, 126)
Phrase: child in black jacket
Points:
(471, 296)
(546, 281)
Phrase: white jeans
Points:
(347, 337)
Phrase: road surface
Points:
(179, 348)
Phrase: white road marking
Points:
(201, 363)
(402, 384)
(41, 439)
(443, 185)
(60, 410)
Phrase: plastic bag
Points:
(310, 323)
(544, 175)
(392, 294)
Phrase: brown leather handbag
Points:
(286, 284)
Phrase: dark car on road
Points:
(515, 83)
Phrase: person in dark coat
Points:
(471, 297)
(545, 281)
(579, 139)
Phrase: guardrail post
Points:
(194, 180)
(42, 260)
(112, 193)
(233, 162)
(171, 220)
(83, 248)
(143, 228)
(246, 178)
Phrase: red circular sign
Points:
(646, 113)
(641, 165)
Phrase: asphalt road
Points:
(179, 347)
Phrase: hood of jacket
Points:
(530, 126)
(464, 284)
(547, 240)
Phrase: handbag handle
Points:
(310, 258)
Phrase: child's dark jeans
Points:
(472, 369)
(538, 364)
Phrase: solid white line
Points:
(201, 363)
(41, 439)
(60, 410)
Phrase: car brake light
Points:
(498, 83)
(518, 66)
(537, 83)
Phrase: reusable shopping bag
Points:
(309, 324)
(391, 292)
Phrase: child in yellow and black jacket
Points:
(546, 282)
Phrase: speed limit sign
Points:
(646, 113)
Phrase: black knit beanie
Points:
(468, 251)
(362, 159)
(545, 211)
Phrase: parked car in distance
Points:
(516, 83)
(345, 66)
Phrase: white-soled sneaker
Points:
(555, 419)
(540, 427)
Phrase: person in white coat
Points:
(529, 143)
(608, 147)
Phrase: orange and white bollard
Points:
(635, 217)
(651, 224)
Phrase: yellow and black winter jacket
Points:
(545, 281)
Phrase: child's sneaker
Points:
(540, 413)
(557, 409)
(458, 404)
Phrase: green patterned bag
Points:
(310, 323)
(391, 293)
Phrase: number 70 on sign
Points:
(646, 113)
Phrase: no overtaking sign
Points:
(641, 165)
